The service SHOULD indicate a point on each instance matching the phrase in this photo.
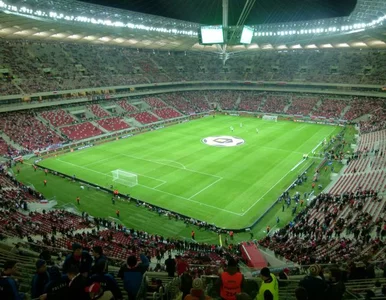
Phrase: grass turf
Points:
(227, 186)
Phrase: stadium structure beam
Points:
(225, 13)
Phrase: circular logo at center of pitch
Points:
(223, 141)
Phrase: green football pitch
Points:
(226, 186)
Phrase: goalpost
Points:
(270, 118)
(125, 178)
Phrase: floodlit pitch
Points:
(201, 168)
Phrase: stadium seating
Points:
(302, 105)
(98, 111)
(144, 117)
(361, 107)
(39, 66)
(167, 113)
(24, 129)
(154, 102)
(318, 232)
(197, 100)
(226, 100)
(179, 102)
(331, 108)
(275, 104)
(126, 106)
(7, 150)
(250, 102)
(113, 124)
(58, 117)
(80, 131)
(376, 122)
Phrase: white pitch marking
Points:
(155, 189)
(172, 161)
(258, 200)
(300, 128)
(208, 186)
(313, 150)
(152, 161)
(99, 161)
(298, 164)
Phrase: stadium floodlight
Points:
(60, 16)
(125, 178)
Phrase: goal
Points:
(125, 178)
(270, 118)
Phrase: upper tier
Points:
(30, 67)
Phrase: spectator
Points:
(243, 296)
(77, 284)
(95, 291)
(99, 258)
(283, 276)
(301, 294)
(78, 257)
(170, 264)
(40, 279)
(314, 284)
(106, 281)
(269, 283)
(182, 265)
(132, 274)
(231, 281)
(8, 285)
(336, 287)
(197, 291)
(57, 287)
(186, 281)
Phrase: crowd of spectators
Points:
(322, 232)
(74, 121)
(331, 108)
(275, 103)
(250, 101)
(40, 66)
(361, 107)
(27, 131)
(302, 105)
(375, 122)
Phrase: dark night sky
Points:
(210, 11)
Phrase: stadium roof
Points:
(70, 20)
(209, 12)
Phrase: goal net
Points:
(125, 178)
(270, 118)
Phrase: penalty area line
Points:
(208, 186)
(155, 189)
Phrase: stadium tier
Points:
(74, 66)
(80, 121)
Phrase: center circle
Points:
(223, 141)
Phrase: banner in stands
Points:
(326, 122)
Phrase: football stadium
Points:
(212, 149)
